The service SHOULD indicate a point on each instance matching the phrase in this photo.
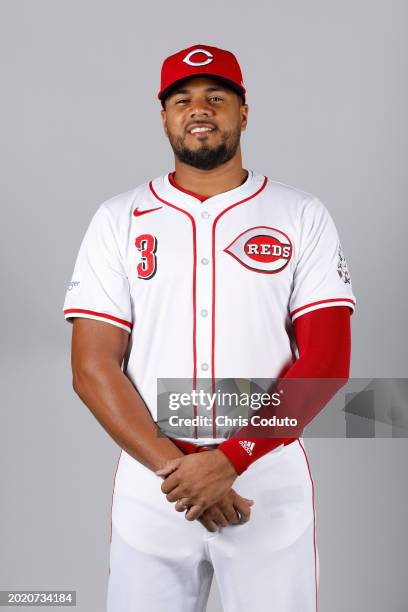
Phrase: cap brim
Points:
(166, 92)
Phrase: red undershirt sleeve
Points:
(323, 339)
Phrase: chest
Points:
(247, 248)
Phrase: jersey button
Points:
(203, 312)
(204, 367)
(205, 214)
(204, 261)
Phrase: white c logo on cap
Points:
(188, 57)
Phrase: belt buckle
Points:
(206, 447)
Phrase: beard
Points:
(206, 157)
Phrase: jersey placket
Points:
(207, 253)
(204, 214)
(204, 219)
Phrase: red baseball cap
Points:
(201, 60)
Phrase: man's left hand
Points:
(198, 480)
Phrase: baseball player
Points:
(211, 271)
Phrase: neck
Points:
(209, 183)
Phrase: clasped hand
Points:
(201, 484)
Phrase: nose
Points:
(200, 109)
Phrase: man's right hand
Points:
(232, 509)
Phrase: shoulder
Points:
(288, 194)
(114, 215)
(118, 209)
(298, 201)
(121, 205)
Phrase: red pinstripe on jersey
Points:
(193, 225)
(213, 280)
(253, 195)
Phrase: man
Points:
(209, 272)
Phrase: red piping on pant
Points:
(314, 519)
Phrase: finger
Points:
(194, 512)
(175, 495)
(170, 467)
(227, 507)
(182, 504)
(243, 509)
(247, 500)
(215, 514)
(208, 524)
(230, 513)
(170, 483)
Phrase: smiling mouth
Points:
(201, 130)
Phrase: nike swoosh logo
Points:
(139, 213)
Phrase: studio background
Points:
(327, 96)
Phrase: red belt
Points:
(189, 447)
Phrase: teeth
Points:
(200, 129)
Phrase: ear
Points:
(164, 120)
(244, 116)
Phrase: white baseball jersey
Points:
(208, 289)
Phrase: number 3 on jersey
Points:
(146, 244)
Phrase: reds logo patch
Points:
(262, 249)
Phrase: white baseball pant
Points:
(159, 562)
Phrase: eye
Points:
(216, 98)
(181, 101)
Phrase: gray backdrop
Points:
(326, 88)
